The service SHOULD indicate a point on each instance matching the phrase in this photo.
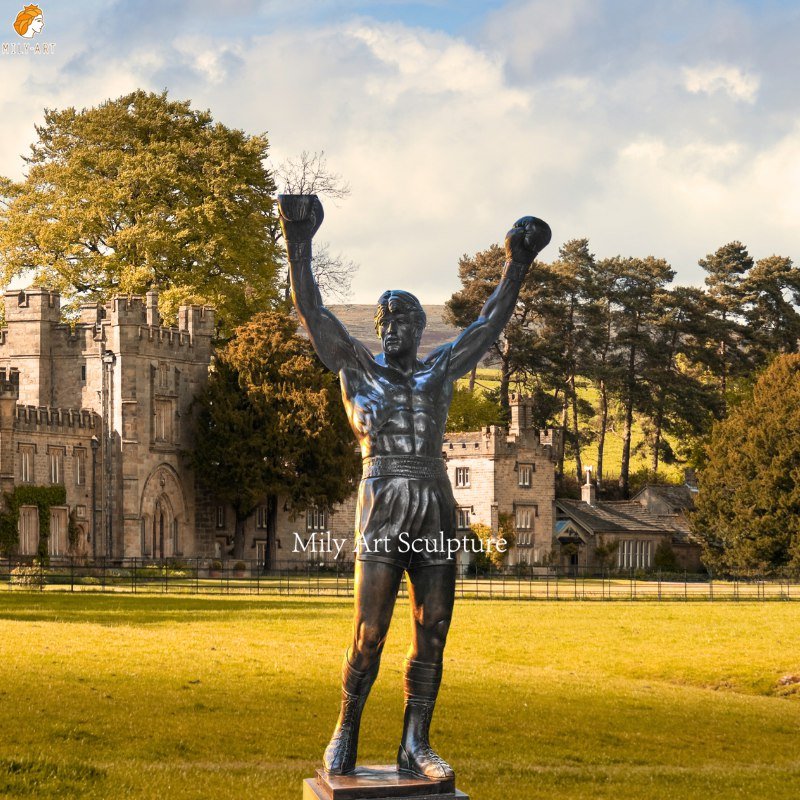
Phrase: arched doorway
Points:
(163, 515)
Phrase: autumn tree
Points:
(271, 425)
(140, 193)
(748, 509)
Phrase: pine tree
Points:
(748, 509)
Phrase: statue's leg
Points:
(432, 590)
(376, 585)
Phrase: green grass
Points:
(154, 697)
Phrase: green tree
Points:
(271, 424)
(471, 411)
(490, 556)
(602, 363)
(772, 306)
(141, 193)
(664, 558)
(727, 269)
(680, 399)
(639, 282)
(748, 508)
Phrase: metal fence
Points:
(209, 576)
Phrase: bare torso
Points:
(392, 413)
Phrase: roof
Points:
(677, 496)
(624, 516)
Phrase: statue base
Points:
(378, 783)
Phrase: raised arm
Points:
(523, 243)
(301, 216)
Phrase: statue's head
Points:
(399, 321)
(29, 21)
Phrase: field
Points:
(108, 696)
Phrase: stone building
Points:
(511, 471)
(103, 407)
(633, 529)
(493, 472)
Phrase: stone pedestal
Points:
(378, 783)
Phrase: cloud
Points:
(721, 78)
(631, 124)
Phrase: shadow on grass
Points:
(40, 778)
(103, 609)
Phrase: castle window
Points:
(316, 519)
(28, 530)
(262, 517)
(220, 516)
(79, 454)
(26, 453)
(462, 477)
(462, 518)
(83, 373)
(163, 376)
(524, 473)
(524, 517)
(58, 532)
(56, 464)
(163, 421)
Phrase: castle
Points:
(102, 407)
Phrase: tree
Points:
(270, 425)
(471, 411)
(490, 556)
(748, 509)
(680, 400)
(771, 292)
(524, 351)
(574, 266)
(601, 363)
(639, 281)
(727, 268)
(141, 193)
(309, 174)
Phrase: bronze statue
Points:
(397, 406)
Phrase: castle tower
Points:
(9, 394)
(31, 315)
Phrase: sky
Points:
(665, 129)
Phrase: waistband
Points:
(403, 467)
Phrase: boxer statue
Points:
(397, 406)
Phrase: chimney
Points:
(153, 317)
(589, 490)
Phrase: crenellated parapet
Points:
(47, 419)
(9, 383)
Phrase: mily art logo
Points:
(29, 23)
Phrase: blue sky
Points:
(668, 128)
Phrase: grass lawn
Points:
(188, 697)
